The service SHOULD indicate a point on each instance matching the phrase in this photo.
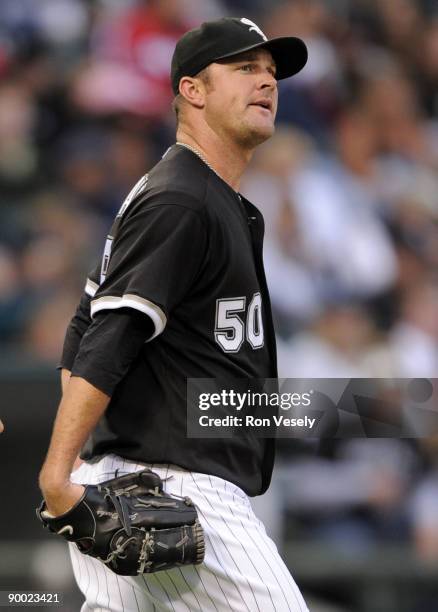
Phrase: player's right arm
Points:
(157, 254)
(107, 349)
(65, 379)
(80, 409)
(76, 329)
(74, 334)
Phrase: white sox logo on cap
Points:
(253, 27)
(217, 40)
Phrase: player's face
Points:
(241, 100)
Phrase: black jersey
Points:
(186, 250)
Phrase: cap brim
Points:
(289, 54)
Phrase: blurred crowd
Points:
(348, 187)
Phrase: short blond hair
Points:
(179, 101)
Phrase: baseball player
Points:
(181, 293)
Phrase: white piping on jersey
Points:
(138, 187)
(91, 287)
(129, 300)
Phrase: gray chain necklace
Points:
(196, 152)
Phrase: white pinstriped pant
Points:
(242, 570)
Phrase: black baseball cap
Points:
(215, 40)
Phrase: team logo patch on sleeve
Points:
(135, 191)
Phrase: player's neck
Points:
(227, 159)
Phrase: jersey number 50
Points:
(230, 329)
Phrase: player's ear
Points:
(193, 90)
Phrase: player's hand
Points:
(61, 498)
(2, 427)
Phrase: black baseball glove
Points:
(132, 525)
